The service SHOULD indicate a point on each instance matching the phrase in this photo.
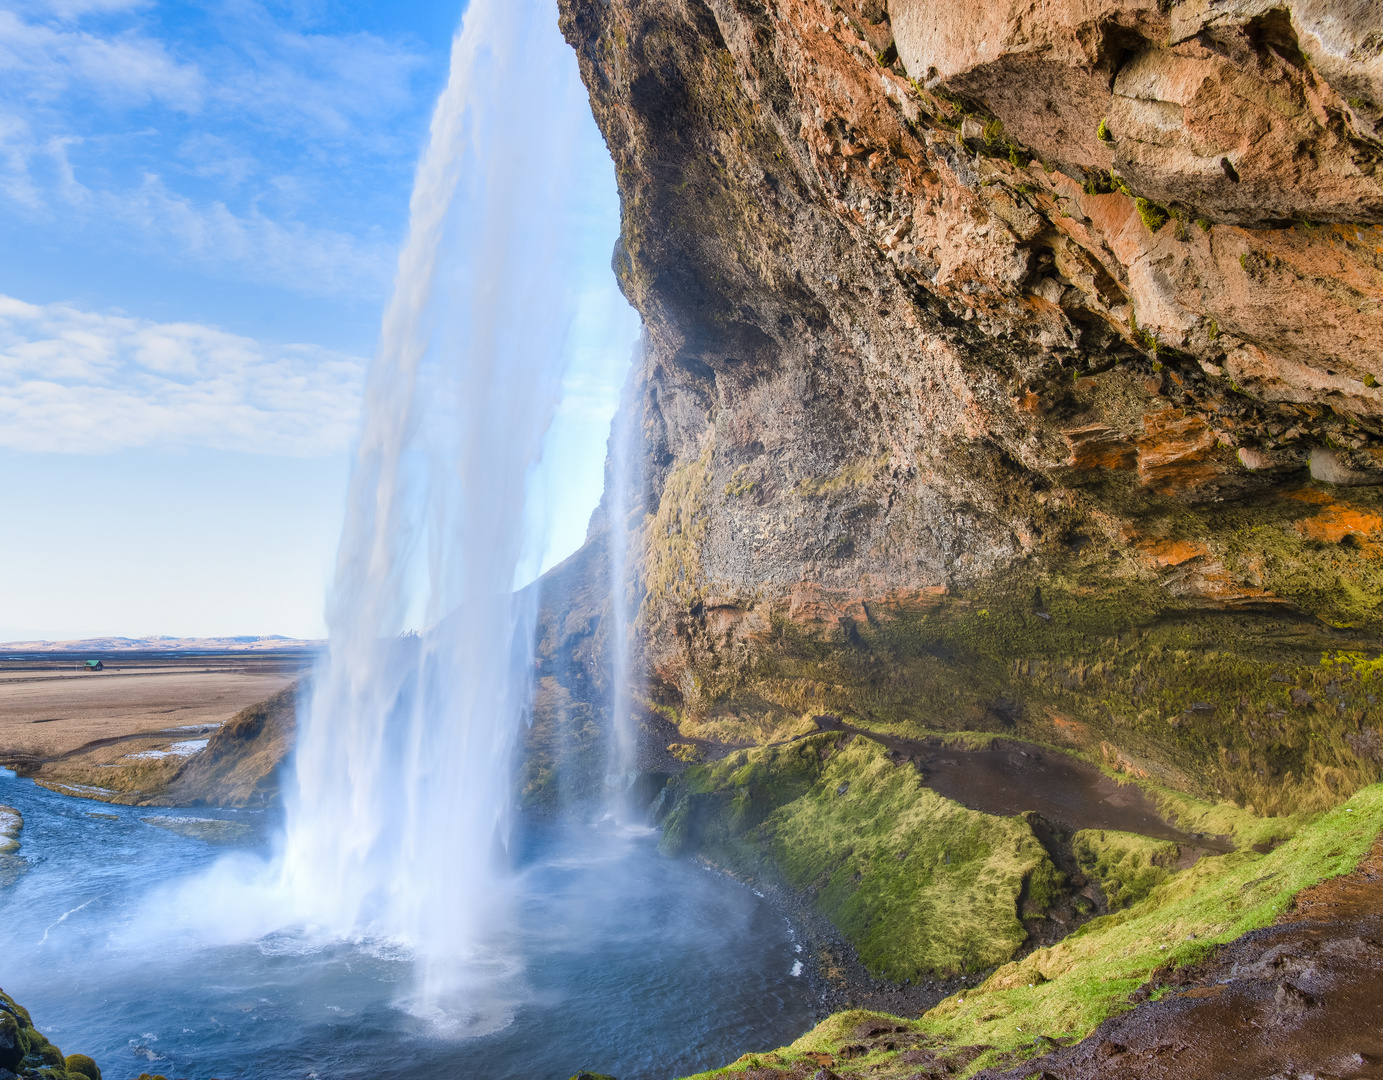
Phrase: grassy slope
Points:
(1065, 991)
(1127, 866)
(918, 883)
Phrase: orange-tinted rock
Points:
(1172, 552)
(1096, 447)
(1338, 520)
(1173, 449)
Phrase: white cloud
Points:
(126, 68)
(312, 261)
(322, 87)
(17, 150)
(290, 254)
(73, 381)
(243, 153)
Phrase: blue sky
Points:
(200, 210)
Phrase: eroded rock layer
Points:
(1012, 369)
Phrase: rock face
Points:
(11, 825)
(1009, 368)
(24, 1052)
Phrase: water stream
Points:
(624, 485)
(616, 960)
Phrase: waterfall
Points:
(397, 823)
(624, 487)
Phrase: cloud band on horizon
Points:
(74, 381)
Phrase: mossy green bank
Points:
(919, 884)
(1061, 993)
(1257, 705)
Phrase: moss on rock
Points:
(674, 535)
(81, 1065)
(25, 1052)
(917, 883)
(1063, 992)
(1127, 866)
(1253, 704)
(1090, 975)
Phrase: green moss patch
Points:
(1127, 866)
(674, 536)
(1061, 993)
(1241, 706)
(24, 1050)
(917, 883)
(1089, 976)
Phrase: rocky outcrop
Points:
(242, 762)
(237, 763)
(24, 1052)
(12, 866)
(11, 825)
(1010, 369)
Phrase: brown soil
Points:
(1302, 998)
(152, 729)
(1013, 777)
(48, 708)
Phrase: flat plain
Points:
(50, 706)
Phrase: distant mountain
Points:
(163, 643)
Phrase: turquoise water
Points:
(129, 942)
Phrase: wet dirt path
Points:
(1302, 998)
(1014, 777)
